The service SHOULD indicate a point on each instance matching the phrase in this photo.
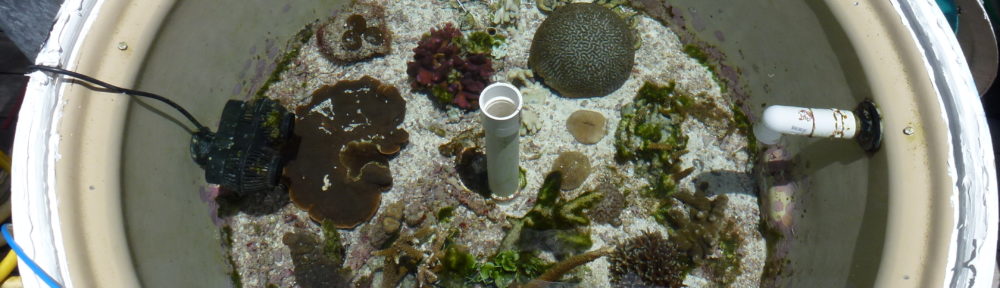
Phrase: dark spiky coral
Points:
(449, 69)
(649, 260)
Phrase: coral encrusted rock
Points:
(348, 133)
(583, 50)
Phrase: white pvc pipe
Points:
(780, 120)
(501, 105)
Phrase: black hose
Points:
(116, 89)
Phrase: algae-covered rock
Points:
(314, 267)
(583, 50)
(609, 209)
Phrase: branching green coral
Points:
(650, 134)
(550, 212)
(554, 224)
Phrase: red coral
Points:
(441, 67)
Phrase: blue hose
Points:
(27, 261)
(950, 11)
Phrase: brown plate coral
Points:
(348, 133)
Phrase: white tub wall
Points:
(858, 221)
(203, 52)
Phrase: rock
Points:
(587, 127)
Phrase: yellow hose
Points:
(5, 161)
(7, 265)
(12, 282)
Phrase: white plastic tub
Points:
(104, 188)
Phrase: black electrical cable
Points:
(116, 89)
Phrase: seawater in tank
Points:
(657, 182)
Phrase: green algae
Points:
(480, 42)
(333, 248)
(294, 48)
(509, 267)
(445, 214)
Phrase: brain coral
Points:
(583, 50)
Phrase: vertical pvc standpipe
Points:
(501, 105)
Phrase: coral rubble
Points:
(347, 135)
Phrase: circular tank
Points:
(105, 189)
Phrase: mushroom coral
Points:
(348, 133)
(356, 34)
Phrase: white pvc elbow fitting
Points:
(501, 105)
(780, 120)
